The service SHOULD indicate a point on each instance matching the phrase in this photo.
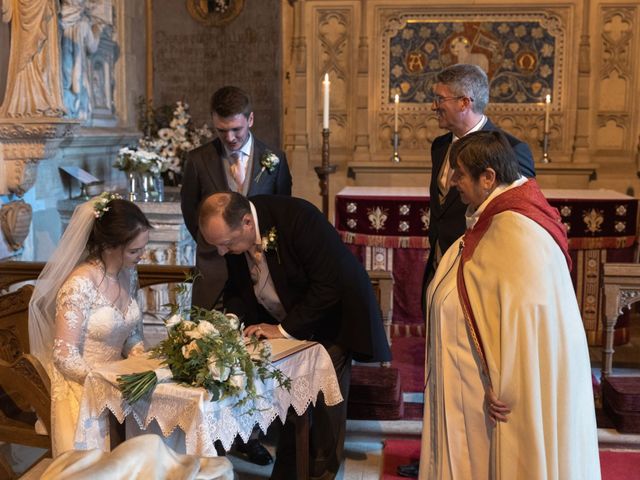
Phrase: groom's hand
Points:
(263, 330)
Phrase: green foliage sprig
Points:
(208, 350)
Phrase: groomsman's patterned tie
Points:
(237, 172)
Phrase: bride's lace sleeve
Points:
(72, 305)
(134, 345)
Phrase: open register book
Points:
(283, 347)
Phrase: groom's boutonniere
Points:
(269, 162)
(270, 242)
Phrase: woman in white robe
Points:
(508, 383)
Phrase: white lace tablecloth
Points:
(176, 406)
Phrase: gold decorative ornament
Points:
(377, 216)
(15, 218)
(215, 13)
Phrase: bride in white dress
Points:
(83, 311)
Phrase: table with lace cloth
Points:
(173, 405)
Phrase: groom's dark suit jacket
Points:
(448, 218)
(203, 175)
(323, 288)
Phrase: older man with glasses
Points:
(460, 96)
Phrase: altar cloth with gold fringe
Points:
(387, 228)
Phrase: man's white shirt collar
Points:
(245, 149)
(254, 214)
(475, 128)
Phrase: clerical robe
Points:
(535, 348)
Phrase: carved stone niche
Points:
(22, 143)
(15, 218)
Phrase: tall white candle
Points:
(325, 104)
(547, 112)
(396, 101)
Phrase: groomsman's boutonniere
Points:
(270, 242)
(269, 162)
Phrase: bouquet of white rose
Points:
(208, 350)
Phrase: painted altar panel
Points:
(518, 57)
(527, 52)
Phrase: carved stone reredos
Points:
(23, 143)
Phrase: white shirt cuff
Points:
(284, 332)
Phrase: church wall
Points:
(592, 47)
(5, 38)
(279, 50)
(615, 119)
(117, 77)
(192, 60)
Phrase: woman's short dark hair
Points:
(484, 149)
(230, 101)
(117, 226)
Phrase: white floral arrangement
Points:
(101, 204)
(140, 160)
(174, 141)
(168, 138)
(269, 162)
(208, 350)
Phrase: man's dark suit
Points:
(327, 296)
(203, 175)
(448, 218)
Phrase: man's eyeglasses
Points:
(437, 99)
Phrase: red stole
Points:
(526, 200)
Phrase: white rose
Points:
(194, 334)
(188, 325)
(238, 379)
(173, 321)
(189, 348)
(207, 329)
(234, 321)
(217, 373)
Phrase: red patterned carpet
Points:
(615, 464)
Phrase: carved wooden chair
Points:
(25, 390)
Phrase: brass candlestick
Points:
(395, 141)
(324, 171)
(545, 148)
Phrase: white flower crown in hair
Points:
(101, 204)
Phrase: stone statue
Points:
(82, 24)
(33, 83)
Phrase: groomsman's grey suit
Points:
(204, 174)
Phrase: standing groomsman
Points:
(235, 161)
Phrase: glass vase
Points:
(151, 187)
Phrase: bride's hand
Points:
(497, 410)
